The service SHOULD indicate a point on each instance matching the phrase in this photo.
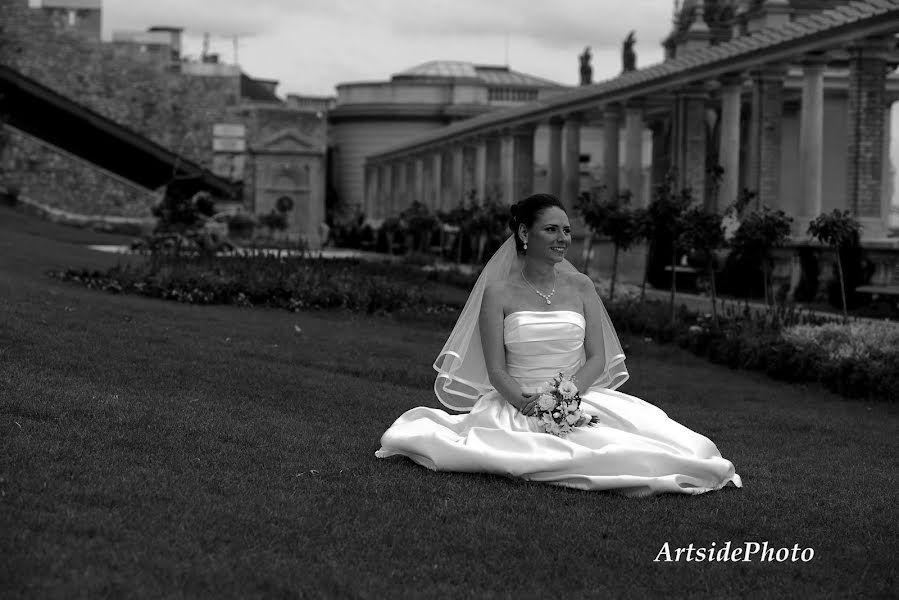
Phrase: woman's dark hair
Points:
(526, 211)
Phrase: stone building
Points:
(141, 82)
(80, 17)
(371, 116)
(159, 41)
(763, 123)
(791, 97)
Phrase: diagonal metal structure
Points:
(43, 113)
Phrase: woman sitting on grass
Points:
(534, 361)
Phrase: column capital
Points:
(732, 79)
(574, 117)
(872, 47)
(612, 111)
(526, 129)
(771, 72)
(815, 59)
(695, 91)
(637, 103)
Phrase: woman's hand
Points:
(528, 404)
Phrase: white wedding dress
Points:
(635, 449)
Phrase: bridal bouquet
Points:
(559, 407)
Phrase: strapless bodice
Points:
(540, 345)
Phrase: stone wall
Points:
(121, 83)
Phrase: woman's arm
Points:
(594, 346)
(490, 322)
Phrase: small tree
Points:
(703, 232)
(183, 207)
(593, 208)
(623, 226)
(460, 217)
(645, 228)
(836, 229)
(760, 231)
(489, 225)
(422, 225)
(662, 220)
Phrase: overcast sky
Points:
(312, 45)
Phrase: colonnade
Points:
(735, 120)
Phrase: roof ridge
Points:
(799, 27)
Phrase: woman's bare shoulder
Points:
(497, 289)
(578, 280)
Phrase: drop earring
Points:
(525, 246)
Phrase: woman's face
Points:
(550, 235)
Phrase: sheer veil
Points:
(461, 369)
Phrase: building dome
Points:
(491, 75)
(439, 68)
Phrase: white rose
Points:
(567, 389)
(573, 418)
(546, 402)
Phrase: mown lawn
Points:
(152, 449)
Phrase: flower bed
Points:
(292, 283)
(856, 359)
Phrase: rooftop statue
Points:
(586, 69)
(628, 55)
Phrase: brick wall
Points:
(866, 113)
(770, 136)
(768, 102)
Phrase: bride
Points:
(530, 316)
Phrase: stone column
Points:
(419, 185)
(480, 168)
(384, 191)
(470, 167)
(402, 196)
(458, 165)
(611, 142)
(866, 107)
(571, 163)
(493, 189)
(391, 189)
(729, 143)
(410, 182)
(555, 157)
(507, 167)
(661, 153)
(633, 152)
(523, 163)
(437, 179)
(767, 125)
(811, 142)
(372, 190)
(693, 142)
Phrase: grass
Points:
(150, 448)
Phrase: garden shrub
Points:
(293, 283)
(856, 271)
(807, 289)
(856, 360)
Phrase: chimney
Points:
(697, 36)
(772, 13)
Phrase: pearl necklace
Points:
(541, 294)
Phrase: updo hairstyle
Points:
(525, 212)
